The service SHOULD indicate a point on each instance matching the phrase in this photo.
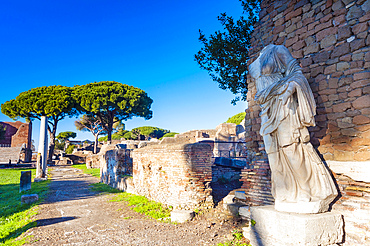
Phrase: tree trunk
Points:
(51, 145)
(52, 140)
(96, 144)
(109, 131)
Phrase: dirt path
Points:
(74, 215)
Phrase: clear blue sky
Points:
(147, 44)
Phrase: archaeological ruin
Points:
(17, 144)
(330, 40)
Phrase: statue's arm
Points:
(288, 92)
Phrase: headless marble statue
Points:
(300, 181)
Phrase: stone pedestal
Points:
(273, 228)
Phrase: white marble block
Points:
(273, 228)
(181, 216)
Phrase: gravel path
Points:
(72, 214)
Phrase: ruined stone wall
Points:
(17, 133)
(175, 175)
(115, 168)
(331, 41)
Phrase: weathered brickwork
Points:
(175, 175)
(331, 41)
(17, 133)
(354, 205)
(224, 174)
(257, 182)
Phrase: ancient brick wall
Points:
(224, 174)
(17, 134)
(175, 175)
(331, 41)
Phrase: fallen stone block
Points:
(232, 208)
(244, 212)
(39, 179)
(181, 216)
(228, 199)
(27, 199)
(240, 195)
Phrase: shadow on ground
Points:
(50, 221)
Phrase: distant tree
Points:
(112, 102)
(148, 131)
(59, 144)
(2, 131)
(169, 135)
(224, 54)
(55, 102)
(92, 124)
(237, 119)
(70, 148)
(118, 132)
(115, 136)
(64, 136)
(128, 136)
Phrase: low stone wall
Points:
(175, 175)
(354, 205)
(116, 169)
(10, 154)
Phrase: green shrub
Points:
(70, 149)
(237, 119)
(169, 135)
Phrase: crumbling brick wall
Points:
(177, 175)
(331, 41)
(17, 133)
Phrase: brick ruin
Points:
(331, 41)
(17, 143)
(179, 171)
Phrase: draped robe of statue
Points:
(300, 181)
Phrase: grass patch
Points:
(141, 204)
(14, 217)
(100, 187)
(238, 240)
(93, 171)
